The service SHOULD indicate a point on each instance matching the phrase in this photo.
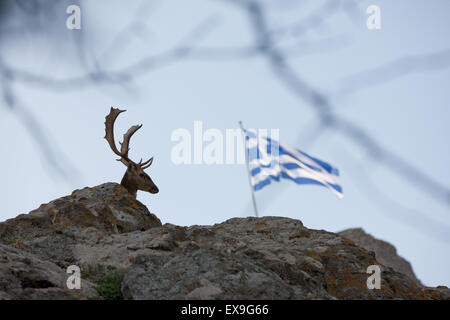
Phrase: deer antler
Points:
(146, 164)
(125, 145)
(109, 133)
(126, 140)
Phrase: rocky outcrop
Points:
(385, 252)
(25, 276)
(259, 258)
(115, 240)
(57, 231)
(38, 247)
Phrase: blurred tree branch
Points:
(52, 155)
(268, 44)
(395, 69)
(325, 111)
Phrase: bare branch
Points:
(395, 69)
(125, 74)
(413, 217)
(50, 151)
(325, 110)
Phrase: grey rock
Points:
(60, 230)
(385, 253)
(23, 276)
(262, 258)
(103, 229)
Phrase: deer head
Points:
(135, 178)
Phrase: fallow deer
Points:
(135, 178)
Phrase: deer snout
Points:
(154, 189)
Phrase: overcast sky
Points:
(375, 78)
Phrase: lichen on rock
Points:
(124, 251)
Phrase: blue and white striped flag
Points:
(269, 160)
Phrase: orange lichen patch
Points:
(262, 223)
(347, 279)
(331, 282)
(414, 294)
(117, 190)
(193, 286)
(349, 241)
(133, 204)
(42, 206)
(442, 287)
(199, 233)
(340, 280)
(106, 258)
(159, 221)
(394, 290)
(431, 295)
(313, 254)
(302, 234)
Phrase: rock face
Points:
(39, 246)
(25, 276)
(112, 237)
(385, 253)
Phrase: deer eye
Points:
(142, 175)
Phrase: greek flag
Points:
(270, 160)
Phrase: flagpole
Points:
(248, 170)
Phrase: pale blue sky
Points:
(408, 114)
